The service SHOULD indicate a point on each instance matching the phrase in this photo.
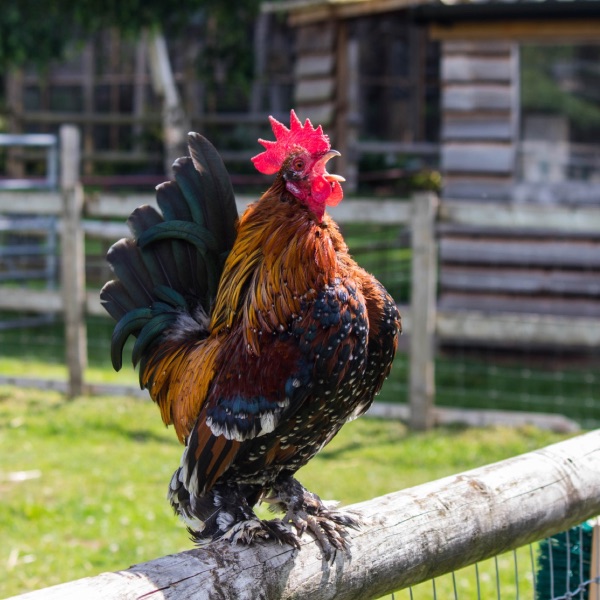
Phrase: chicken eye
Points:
(298, 164)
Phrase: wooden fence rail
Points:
(407, 537)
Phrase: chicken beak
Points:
(329, 155)
(330, 176)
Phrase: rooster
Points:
(258, 337)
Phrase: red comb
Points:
(297, 136)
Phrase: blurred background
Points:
(468, 130)
(477, 102)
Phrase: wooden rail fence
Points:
(407, 537)
(425, 321)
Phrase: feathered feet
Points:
(225, 513)
(307, 512)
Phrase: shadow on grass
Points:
(399, 435)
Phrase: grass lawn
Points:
(83, 483)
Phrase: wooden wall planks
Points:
(480, 108)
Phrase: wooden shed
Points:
(486, 127)
(366, 70)
(414, 72)
(515, 99)
(517, 79)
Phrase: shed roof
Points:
(557, 21)
(310, 11)
(440, 11)
(464, 10)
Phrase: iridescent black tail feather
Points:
(167, 274)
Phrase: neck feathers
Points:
(280, 257)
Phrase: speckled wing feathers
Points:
(281, 406)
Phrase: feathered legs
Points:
(306, 511)
(225, 513)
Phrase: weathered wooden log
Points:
(408, 537)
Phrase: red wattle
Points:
(337, 193)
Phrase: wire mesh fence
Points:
(562, 567)
(558, 381)
(526, 375)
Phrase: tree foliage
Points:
(36, 31)
(30, 31)
(226, 63)
(562, 79)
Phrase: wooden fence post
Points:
(73, 258)
(422, 314)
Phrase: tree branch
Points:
(175, 122)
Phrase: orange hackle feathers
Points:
(273, 268)
(179, 396)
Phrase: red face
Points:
(307, 179)
(300, 154)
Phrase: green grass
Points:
(98, 470)
(517, 385)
